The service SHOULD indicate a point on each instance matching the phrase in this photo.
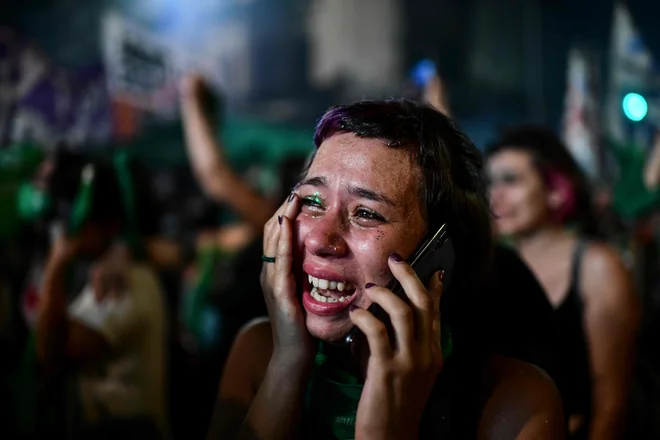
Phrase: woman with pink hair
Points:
(540, 200)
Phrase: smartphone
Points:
(434, 254)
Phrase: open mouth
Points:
(327, 297)
(330, 291)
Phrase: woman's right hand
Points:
(293, 345)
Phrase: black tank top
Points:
(573, 348)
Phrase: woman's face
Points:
(518, 195)
(360, 203)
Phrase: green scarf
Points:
(333, 395)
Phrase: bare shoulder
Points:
(255, 335)
(605, 279)
(251, 352)
(600, 257)
(242, 376)
(521, 402)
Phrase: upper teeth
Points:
(327, 285)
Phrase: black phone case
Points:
(434, 254)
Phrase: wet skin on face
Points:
(360, 203)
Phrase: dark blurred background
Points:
(288, 60)
(94, 77)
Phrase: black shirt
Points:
(518, 317)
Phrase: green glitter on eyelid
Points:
(316, 198)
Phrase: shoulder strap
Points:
(576, 265)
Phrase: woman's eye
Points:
(312, 201)
(368, 214)
(504, 179)
(509, 179)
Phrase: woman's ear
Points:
(561, 196)
(556, 199)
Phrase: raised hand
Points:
(292, 341)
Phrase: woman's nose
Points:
(326, 238)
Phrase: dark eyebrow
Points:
(315, 181)
(355, 191)
(368, 194)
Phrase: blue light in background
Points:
(422, 72)
(635, 106)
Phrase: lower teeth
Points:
(316, 294)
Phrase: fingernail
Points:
(396, 257)
(441, 276)
(291, 196)
(279, 219)
(352, 308)
(369, 285)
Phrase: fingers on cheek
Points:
(395, 268)
(268, 238)
(400, 268)
(373, 293)
(367, 322)
(393, 305)
(374, 330)
(360, 318)
(293, 205)
(268, 227)
(272, 238)
(284, 244)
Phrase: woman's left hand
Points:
(399, 378)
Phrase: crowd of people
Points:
(535, 331)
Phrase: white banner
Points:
(144, 67)
(580, 130)
(139, 66)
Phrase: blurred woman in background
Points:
(540, 201)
